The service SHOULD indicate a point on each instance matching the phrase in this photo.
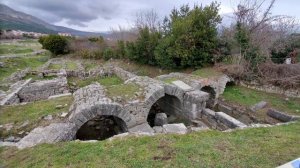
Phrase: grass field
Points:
(251, 148)
(14, 64)
(14, 49)
(31, 112)
(248, 97)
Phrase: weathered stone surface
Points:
(160, 119)
(43, 89)
(13, 97)
(224, 108)
(228, 120)
(142, 128)
(198, 129)
(53, 133)
(158, 129)
(282, 116)
(175, 129)
(60, 95)
(182, 85)
(258, 106)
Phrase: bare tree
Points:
(263, 28)
(148, 19)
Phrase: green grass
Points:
(31, 112)
(54, 66)
(14, 49)
(207, 73)
(251, 148)
(248, 97)
(111, 80)
(14, 64)
(71, 65)
(105, 81)
(170, 80)
(89, 65)
(126, 91)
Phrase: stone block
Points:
(258, 106)
(281, 116)
(228, 120)
(175, 128)
(158, 129)
(142, 128)
(160, 119)
(182, 85)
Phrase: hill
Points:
(15, 20)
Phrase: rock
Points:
(12, 139)
(8, 126)
(158, 129)
(48, 117)
(63, 115)
(24, 124)
(142, 128)
(281, 116)
(21, 132)
(60, 95)
(258, 106)
(197, 129)
(175, 128)
(59, 106)
(7, 144)
(160, 119)
(2, 64)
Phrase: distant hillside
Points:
(11, 19)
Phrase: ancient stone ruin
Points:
(173, 103)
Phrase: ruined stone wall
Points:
(43, 89)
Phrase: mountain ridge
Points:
(16, 20)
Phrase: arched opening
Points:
(101, 127)
(167, 109)
(212, 95)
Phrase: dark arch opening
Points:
(212, 95)
(171, 106)
(101, 127)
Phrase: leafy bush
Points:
(55, 44)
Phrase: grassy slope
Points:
(31, 112)
(14, 64)
(259, 147)
(248, 97)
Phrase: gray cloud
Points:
(101, 15)
(77, 12)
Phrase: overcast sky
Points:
(101, 15)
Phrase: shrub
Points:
(55, 44)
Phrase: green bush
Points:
(55, 44)
(108, 54)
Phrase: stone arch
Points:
(81, 116)
(212, 95)
(101, 127)
(168, 105)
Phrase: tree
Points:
(190, 37)
(55, 44)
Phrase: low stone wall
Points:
(273, 89)
(220, 120)
(13, 97)
(43, 89)
(19, 75)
